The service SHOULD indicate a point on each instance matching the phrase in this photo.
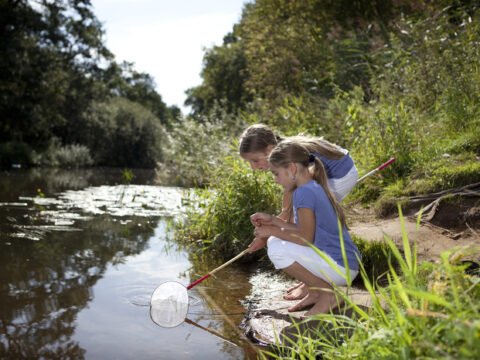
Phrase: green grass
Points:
(218, 218)
(425, 311)
(442, 174)
(377, 257)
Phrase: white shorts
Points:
(342, 187)
(284, 253)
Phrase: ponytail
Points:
(320, 146)
(320, 176)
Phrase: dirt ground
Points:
(431, 239)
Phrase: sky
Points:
(167, 38)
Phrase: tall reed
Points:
(425, 311)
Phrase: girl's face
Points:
(257, 160)
(283, 177)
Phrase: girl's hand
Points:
(259, 219)
(263, 231)
(257, 244)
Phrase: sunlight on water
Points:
(80, 261)
(62, 212)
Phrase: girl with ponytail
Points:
(318, 221)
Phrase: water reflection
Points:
(43, 285)
(79, 260)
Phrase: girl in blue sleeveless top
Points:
(316, 211)
(256, 143)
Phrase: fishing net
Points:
(169, 304)
(169, 301)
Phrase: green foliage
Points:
(15, 152)
(445, 173)
(297, 49)
(392, 79)
(292, 116)
(124, 81)
(71, 156)
(218, 218)
(377, 258)
(48, 56)
(465, 142)
(123, 133)
(433, 66)
(53, 66)
(127, 176)
(388, 133)
(425, 311)
(195, 147)
(425, 87)
(310, 47)
(224, 74)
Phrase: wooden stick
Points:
(196, 282)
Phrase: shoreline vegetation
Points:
(421, 310)
(383, 79)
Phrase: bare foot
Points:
(294, 287)
(311, 299)
(327, 302)
(297, 292)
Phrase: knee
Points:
(277, 253)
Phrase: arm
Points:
(257, 244)
(265, 221)
(286, 213)
(259, 220)
(296, 233)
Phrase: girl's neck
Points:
(303, 178)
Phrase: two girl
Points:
(257, 141)
(315, 209)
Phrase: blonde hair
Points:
(258, 137)
(320, 146)
(292, 151)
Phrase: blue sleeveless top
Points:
(337, 169)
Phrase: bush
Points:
(218, 218)
(15, 152)
(423, 100)
(123, 133)
(64, 156)
(194, 148)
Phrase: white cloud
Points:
(167, 40)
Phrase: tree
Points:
(53, 66)
(49, 56)
(124, 81)
(224, 75)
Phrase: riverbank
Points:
(267, 319)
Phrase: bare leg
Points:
(296, 292)
(320, 293)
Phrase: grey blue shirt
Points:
(337, 169)
(327, 235)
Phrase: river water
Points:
(81, 251)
